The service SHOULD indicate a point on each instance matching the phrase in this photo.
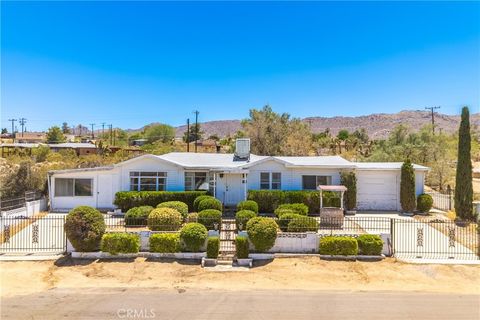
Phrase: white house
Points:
(228, 177)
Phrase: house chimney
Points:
(242, 149)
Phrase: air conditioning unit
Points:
(242, 149)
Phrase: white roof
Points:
(73, 145)
(385, 166)
(21, 145)
(208, 160)
(321, 161)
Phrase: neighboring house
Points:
(81, 149)
(228, 177)
(30, 137)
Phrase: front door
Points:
(105, 192)
(230, 188)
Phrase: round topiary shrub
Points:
(197, 200)
(180, 206)
(262, 232)
(193, 236)
(210, 218)
(298, 208)
(120, 242)
(338, 246)
(370, 244)
(242, 217)
(279, 212)
(285, 219)
(247, 205)
(192, 217)
(210, 203)
(424, 202)
(84, 227)
(213, 247)
(303, 224)
(164, 219)
(137, 216)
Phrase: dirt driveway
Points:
(26, 277)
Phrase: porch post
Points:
(321, 200)
(341, 200)
(244, 186)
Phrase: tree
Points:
(4, 130)
(463, 181)
(55, 135)
(349, 180)
(407, 187)
(160, 132)
(195, 133)
(65, 128)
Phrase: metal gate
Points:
(20, 234)
(228, 234)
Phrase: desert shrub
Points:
(165, 242)
(370, 244)
(129, 199)
(84, 227)
(303, 224)
(285, 219)
(269, 200)
(209, 218)
(180, 206)
(120, 242)
(242, 217)
(247, 205)
(262, 232)
(213, 247)
(137, 216)
(343, 246)
(241, 245)
(193, 236)
(424, 202)
(164, 219)
(210, 203)
(197, 200)
(192, 217)
(298, 208)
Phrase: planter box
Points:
(261, 256)
(351, 212)
(208, 262)
(352, 258)
(295, 242)
(245, 262)
(106, 255)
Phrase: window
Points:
(70, 187)
(270, 180)
(312, 182)
(148, 181)
(196, 181)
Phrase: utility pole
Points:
(111, 136)
(93, 134)
(114, 136)
(196, 112)
(433, 116)
(188, 135)
(22, 122)
(13, 128)
(103, 130)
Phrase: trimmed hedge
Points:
(298, 208)
(164, 219)
(285, 219)
(241, 245)
(137, 216)
(200, 198)
(180, 206)
(247, 205)
(370, 244)
(84, 227)
(424, 202)
(242, 217)
(213, 247)
(210, 203)
(120, 242)
(126, 200)
(193, 236)
(209, 218)
(165, 242)
(303, 224)
(342, 246)
(262, 232)
(192, 217)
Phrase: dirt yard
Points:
(309, 273)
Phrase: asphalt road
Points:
(229, 305)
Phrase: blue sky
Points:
(134, 63)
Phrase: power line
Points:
(433, 116)
(93, 134)
(22, 122)
(103, 130)
(188, 135)
(196, 112)
(13, 126)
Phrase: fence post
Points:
(392, 228)
(449, 192)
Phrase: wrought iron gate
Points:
(228, 234)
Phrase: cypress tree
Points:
(349, 180)
(463, 180)
(407, 187)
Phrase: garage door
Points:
(377, 190)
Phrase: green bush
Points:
(210, 203)
(192, 217)
(424, 202)
(165, 242)
(349, 180)
(242, 217)
(241, 244)
(285, 219)
(84, 227)
(370, 244)
(126, 200)
(193, 236)
(303, 224)
(247, 205)
(342, 246)
(262, 232)
(180, 206)
(298, 208)
(164, 219)
(137, 216)
(407, 187)
(120, 242)
(269, 200)
(213, 247)
(209, 218)
(279, 212)
(330, 199)
(197, 200)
